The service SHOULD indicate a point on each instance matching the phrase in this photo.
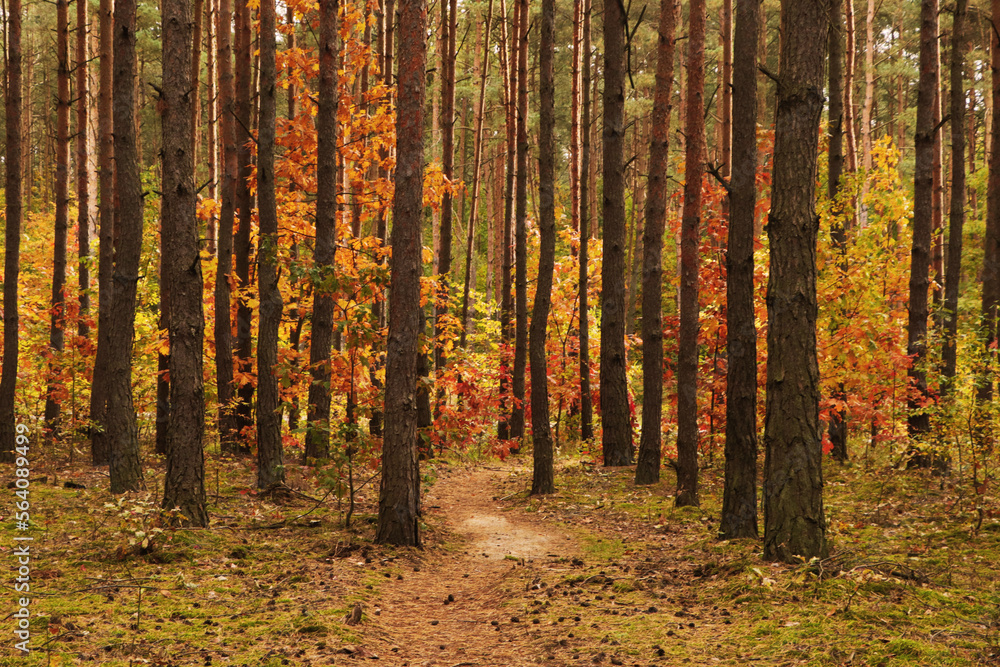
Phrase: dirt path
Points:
(449, 609)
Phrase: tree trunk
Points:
(850, 114)
(100, 443)
(687, 355)
(991, 249)
(617, 438)
(937, 187)
(195, 80)
(520, 227)
(12, 234)
(869, 99)
(399, 495)
(184, 485)
(443, 270)
(838, 232)
(270, 468)
(794, 524)
(739, 499)
(920, 255)
(241, 243)
(211, 233)
(228, 427)
(956, 215)
(58, 316)
(508, 49)
(647, 470)
(83, 180)
(318, 429)
(126, 471)
(477, 152)
(574, 122)
(586, 404)
(727, 87)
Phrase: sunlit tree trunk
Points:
(647, 470)
(850, 115)
(399, 495)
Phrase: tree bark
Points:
(12, 233)
(399, 494)
(83, 180)
(126, 471)
(100, 443)
(794, 524)
(270, 467)
(727, 88)
(920, 254)
(477, 157)
(838, 231)
(520, 227)
(617, 437)
(956, 215)
(212, 150)
(991, 245)
(647, 470)
(228, 427)
(543, 476)
(508, 50)
(850, 114)
(318, 430)
(687, 355)
(443, 269)
(184, 485)
(739, 499)
(58, 314)
(586, 404)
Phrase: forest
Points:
(500, 332)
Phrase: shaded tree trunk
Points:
(647, 470)
(126, 472)
(794, 524)
(399, 494)
(12, 233)
(850, 115)
(211, 233)
(617, 437)
(58, 315)
(184, 485)
(739, 499)
(100, 444)
(542, 480)
(920, 254)
(508, 49)
(991, 241)
(520, 227)
(956, 215)
(83, 149)
(318, 429)
(687, 355)
(228, 427)
(270, 467)
(449, 24)
(586, 404)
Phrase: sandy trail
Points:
(495, 553)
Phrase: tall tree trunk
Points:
(520, 227)
(647, 470)
(956, 215)
(100, 444)
(617, 438)
(687, 355)
(542, 480)
(241, 243)
(57, 327)
(212, 149)
(991, 242)
(83, 149)
(508, 50)
(739, 499)
(449, 10)
(574, 120)
(850, 114)
(477, 157)
(920, 255)
(399, 495)
(195, 85)
(228, 427)
(184, 485)
(318, 429)
(727, 88)
(838, 232)
(12, 234)
(868, 103)
(937, 187)
(270, 468)
(586, 404)
(126, 471)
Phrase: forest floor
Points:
(600, 572)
